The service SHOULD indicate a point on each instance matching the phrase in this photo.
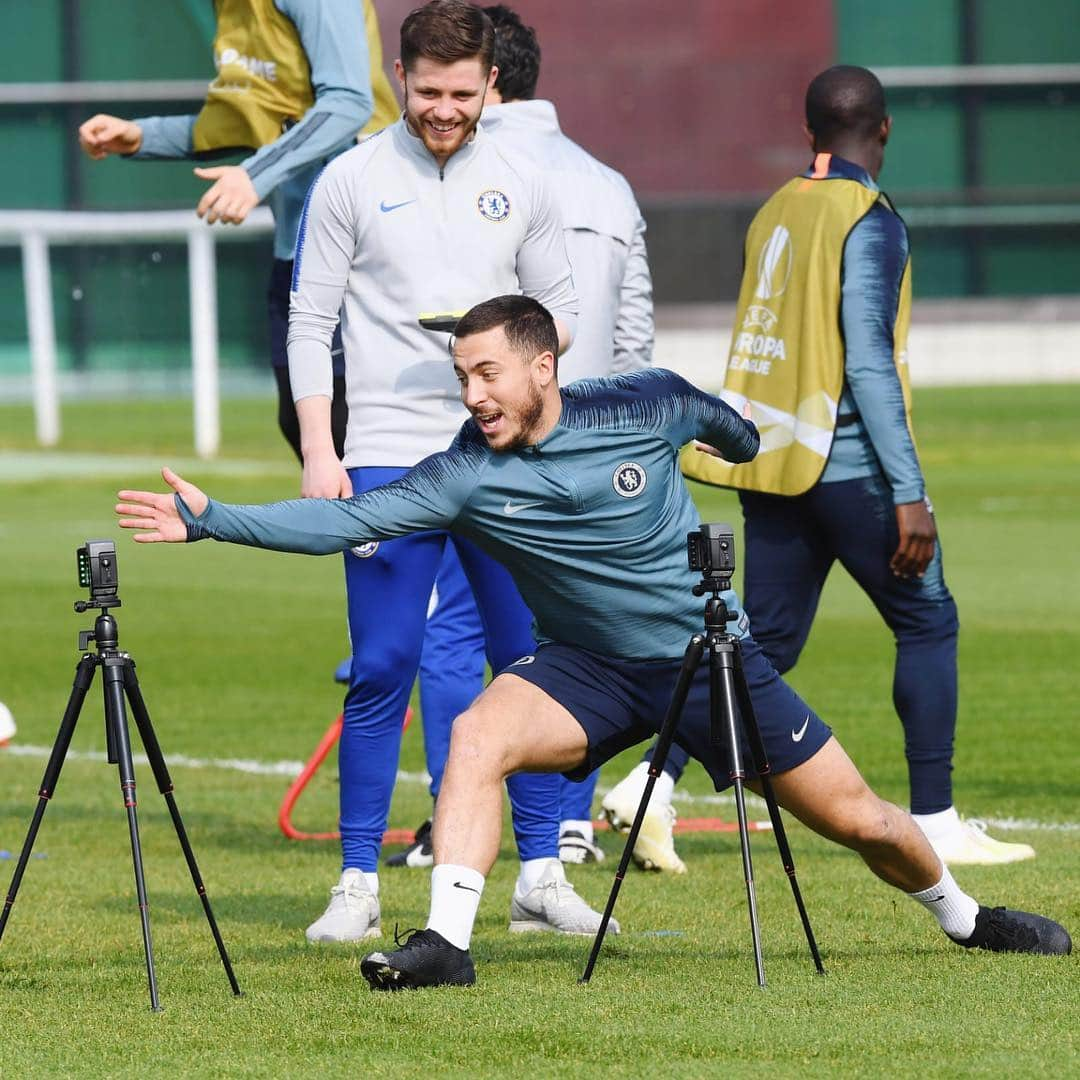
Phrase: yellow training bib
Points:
(787, 349)
(263, 84)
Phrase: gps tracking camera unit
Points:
(98, 573)
(711, 550)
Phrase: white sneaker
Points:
(969, 844)
(655, 846)
(7, 725)
(575, 848)
(351, 915)
(552, 904)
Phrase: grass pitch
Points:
(235, 650)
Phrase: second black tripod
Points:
(712, 551)
(97, 569)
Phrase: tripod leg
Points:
(761, 766)
(691, 660)
(116, 722)
(165, 786)
(722, 703)
(84, 676)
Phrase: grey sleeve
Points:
(542, 266)
(634, 323)
(431, 495)
(325, 247)
(164, 137)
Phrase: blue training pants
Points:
(388, 586)
(792, 543)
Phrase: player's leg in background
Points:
(451, 676)
(786, 557)
(922, 615)
(655, 845)
(451, 662)
(577, 844)
(277, 297)
(388, 586)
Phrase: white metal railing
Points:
(906, 75)
(74, 93)
(34, 231)
(947, 75)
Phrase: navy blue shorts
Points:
(623, 702)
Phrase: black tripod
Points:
(119, 679)
(712, 552)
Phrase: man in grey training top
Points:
(427, 216)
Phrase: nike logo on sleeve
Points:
(797, 736)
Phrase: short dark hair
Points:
(447, 31)
(527, 324)
(845, 101)
(517, 54)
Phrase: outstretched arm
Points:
(157, 516)
(430, 496)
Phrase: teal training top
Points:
(591, 521)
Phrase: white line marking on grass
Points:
(292, 769)
(18, 467)
(288, 769)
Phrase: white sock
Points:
(936, 826)
(583, 827)
(370, 876)
(532, 870)
(455, 896)
(950, 905)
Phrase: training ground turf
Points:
(235, 651)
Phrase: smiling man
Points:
(427, 216)
(578, 493)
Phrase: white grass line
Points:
(24, 466)
(288, 769)
(292, 769)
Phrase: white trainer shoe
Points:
(7, 725)
(655, 846)
(552, 904)
(969, 844)
(575, 848)
(351, 915)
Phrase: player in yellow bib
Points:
(819, 354)
(297, 81)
